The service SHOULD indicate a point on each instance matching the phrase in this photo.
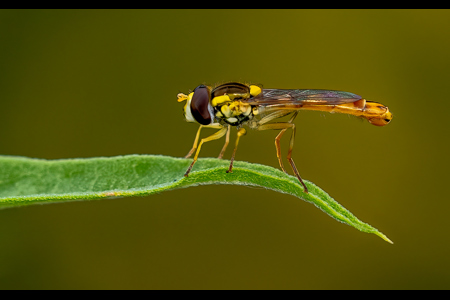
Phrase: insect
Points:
(237, 104)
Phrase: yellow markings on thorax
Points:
(220, 100)
(255, 90)
(223, 99)
(233, 109)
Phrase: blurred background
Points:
(87, 83)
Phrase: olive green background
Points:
(86, 83)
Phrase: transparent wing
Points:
(302, 97)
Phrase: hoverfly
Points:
(237, 104)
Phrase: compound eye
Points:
(200, 106)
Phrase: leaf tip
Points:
(384, 237)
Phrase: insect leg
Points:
(284, 127)
(240, 133)
(273, 116)
(194, 147)
(277, 146)
(291, 146)
(227, 140)
(277, 142)
(270, 117)
(212, 137)
(195, 143)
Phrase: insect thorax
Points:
(230, 110)
(230, 107)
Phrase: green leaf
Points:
(25, 181)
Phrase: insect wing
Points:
(302, 97)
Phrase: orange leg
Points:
(284, 126)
